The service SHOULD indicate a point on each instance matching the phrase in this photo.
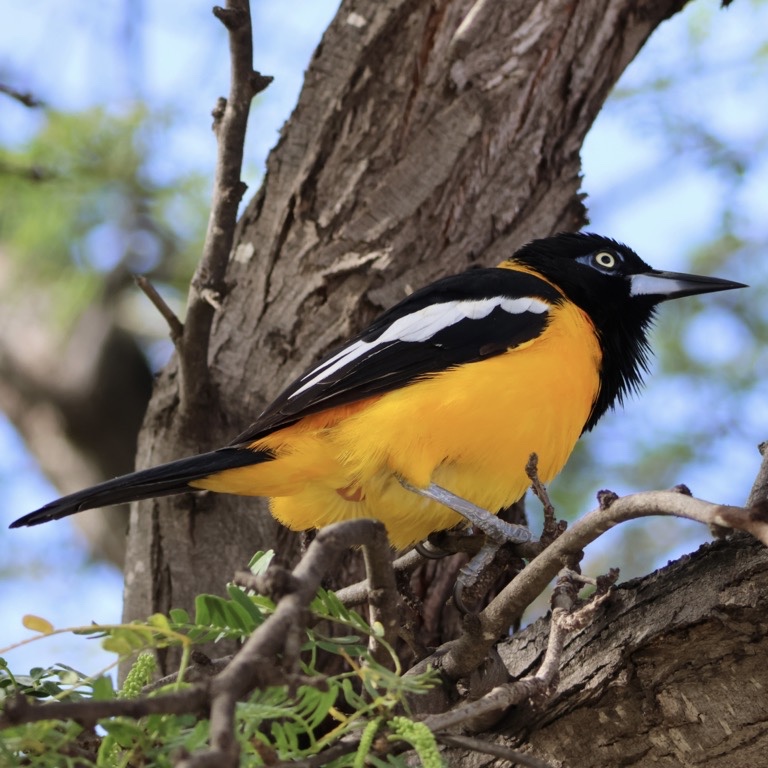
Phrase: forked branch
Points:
(208, 284)
(461, 657)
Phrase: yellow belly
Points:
(470, 429)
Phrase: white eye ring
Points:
(604, 260)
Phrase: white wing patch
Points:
(421, 325)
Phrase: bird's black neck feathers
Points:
(621, 321)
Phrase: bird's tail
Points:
(165, 480)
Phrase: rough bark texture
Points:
(672, 672)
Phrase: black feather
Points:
(396, 364)
(165, 480)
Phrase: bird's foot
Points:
(497, 532)
(429, 551)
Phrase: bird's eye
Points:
(604, 260)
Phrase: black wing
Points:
(457, 320)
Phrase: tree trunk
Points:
(429, 136)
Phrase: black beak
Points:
(662, 286)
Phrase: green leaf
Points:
(243, 602)
(103, 688)
(260, 562)
(179, 616)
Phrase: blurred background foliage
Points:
(111, 177)
(80, 213)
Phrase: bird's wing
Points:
(455, 321)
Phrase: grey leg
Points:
(497, 530)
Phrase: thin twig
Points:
(196, 672)
(27, 99)
(252, 667)
(565, 619)
(455, 542)
(466, 652)
(552, 528)
(358, 593)
(383, 597)
(266, 643)
(175, 325)
(19, 709)
(230, 124)
(504, 696)
(343, 747)
(496, 750)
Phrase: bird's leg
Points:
(497, 532)
(495, 529)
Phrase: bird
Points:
(444, 396)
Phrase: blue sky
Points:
(661, 202)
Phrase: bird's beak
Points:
(673, 285)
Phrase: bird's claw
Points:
(428, 550)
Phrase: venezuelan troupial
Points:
(451, 390)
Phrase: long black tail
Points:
(164, 480)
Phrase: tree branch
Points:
(174, 324)
(495, 750)
(564, 598)
(383, 598)
(25, 98)
(20, 709)
(468, 651)
(230, 125)
(263, 646)
(265, 659)
(552, 528)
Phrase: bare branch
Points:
(201, 670)
(247, 668)
(496, 750)
(504, 696)
(256, 663)
(27, 99)
(230, 124)
(20, 709)
(356, 594)
(345, 746)
(467, 651)
(383, 597)
(552, 528)
(174, 324)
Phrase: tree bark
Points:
(429, 136)
(671, 673)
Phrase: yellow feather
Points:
(469, 429)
